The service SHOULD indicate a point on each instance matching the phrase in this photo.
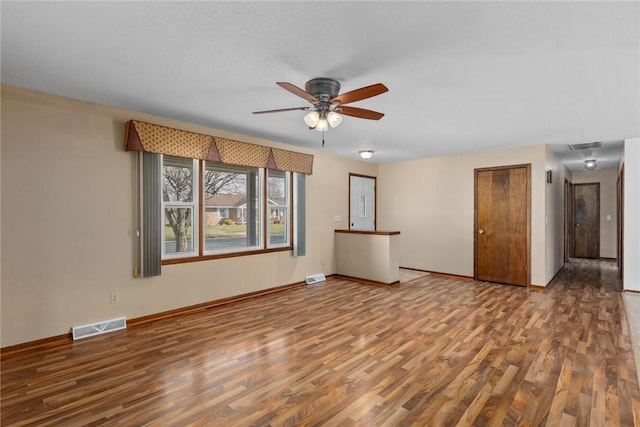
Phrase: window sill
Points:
(183, 260)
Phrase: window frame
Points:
(200, 218)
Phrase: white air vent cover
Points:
(586, 146)
(315, 279)
(84, 331)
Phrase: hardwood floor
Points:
(432, 351)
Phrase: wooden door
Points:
(502, 224)
(586, 209)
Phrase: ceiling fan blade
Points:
(280, 110)
(360, 94)
(297, 91)
(361, 113)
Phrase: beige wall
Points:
(68, 204)
(631, 238)
(608, 202)
(431, 202)
(368, 256)
(554, 215)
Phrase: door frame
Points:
(375, 198)
(568, 220)
(527, 236)
(620, 231)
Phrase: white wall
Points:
(68, 203)
(608, 207)
(631, 239)
(431, 202)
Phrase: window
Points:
(214, 209)
(278, 207)
(231, 208)
(180, 203)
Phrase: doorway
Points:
(362, 202)
(502, 249)
(586, 220)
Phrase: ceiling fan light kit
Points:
(312, 118)
(328, 106)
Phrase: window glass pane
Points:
(278, 226)
(177, 179)
(178, 230)
(278, 206)
(277, 186)
(231, 208)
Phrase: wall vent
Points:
(84, 331)
(315, 278)
(587, 146)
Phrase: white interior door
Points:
(362, 206)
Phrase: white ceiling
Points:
(462, 76)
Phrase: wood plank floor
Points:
(432, 351)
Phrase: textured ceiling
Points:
(462, 76)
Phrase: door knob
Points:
(481, 231)
(577, 225)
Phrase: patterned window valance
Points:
(141, 136)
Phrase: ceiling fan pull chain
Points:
(323, 138)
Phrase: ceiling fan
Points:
(327, 105)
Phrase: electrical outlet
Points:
(322, 262)
(115, 297)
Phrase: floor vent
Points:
(84, 331)
(314, 279)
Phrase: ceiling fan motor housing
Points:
(323, 88)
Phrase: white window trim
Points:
(195, 221)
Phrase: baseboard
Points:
(538, 288)
(365, 281)
(59, 340)
(41, 344)
(415, 269)
(210, 304)
(631, 291)
(451, 276)
(442, 275)
(550, 282)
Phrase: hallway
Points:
(603, 274)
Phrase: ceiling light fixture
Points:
(366, 154)
(590, 164)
